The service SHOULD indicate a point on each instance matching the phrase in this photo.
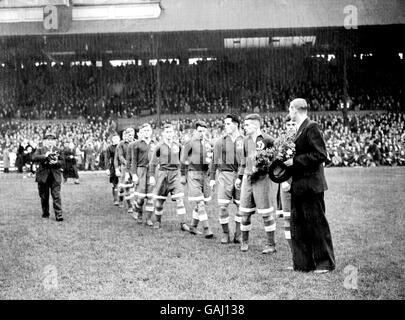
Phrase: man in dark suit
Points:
(19, 162)
(49, 175)
(312, 247)
(70, 163)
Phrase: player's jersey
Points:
(142, 154)
(196, 155)
(111, 156)
(227, 155)
(250, 147)
(130, 154)
(121, 154)
(166, 156)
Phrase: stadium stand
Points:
(45, 92)
(66, 81)
(371, 139)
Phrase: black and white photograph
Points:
(202, 150)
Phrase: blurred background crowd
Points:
(215, 86)
(82, 104)
(370, 139)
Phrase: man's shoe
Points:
(46, 216)
(208, 233)
(130, 211)
(77, 182)
(269, 249)
(116, 203)
(226, 238)
(244, 247)
(237, 239)
(121, 205)
(320, 271)
(156, 225)
(193, 230)
(59, 218)
(184, 227)
(149, 223)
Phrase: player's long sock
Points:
(245, 228)
(115, 194)
(225, 227)
(287, 230)
(195, 220)
(270, 228)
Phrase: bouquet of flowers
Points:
(263, 159)
(271, 160)
(284, 149)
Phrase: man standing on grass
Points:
(226, 159)
(70, 163)
(284, 188)
(196, 157)
(120, 163)
(110, 155)
(141, 155)
(256, 188)
(312, 247)
(128, 175)
(167, 157)
(49, 175)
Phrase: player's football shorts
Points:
(122, 183)
(226, 188)
(143, 189)
(168, 182)
(114, 180)
(260, 196)
(198, 186)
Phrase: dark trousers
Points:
(312, 246)
(71, 172)
(278, 197)
(54, 188)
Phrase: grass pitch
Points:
(99, 252)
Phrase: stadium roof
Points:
(189, 28)
(197, 15)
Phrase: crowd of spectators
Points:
(89, 138)
(370, 139)
(215, 86)
(91, 98)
